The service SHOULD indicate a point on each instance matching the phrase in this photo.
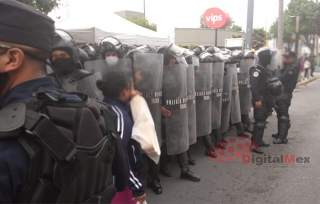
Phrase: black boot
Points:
(190, 160)
(257, 135)
(185, 171)
(275, 135)
(263, 144)
(153, 181)
(164, 162)
(218, 138)
(245, 119)
(224, 140)
(284, 125)
(207, 141)
(240, 130)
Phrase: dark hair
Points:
(113, 83)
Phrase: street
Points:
(231, 179)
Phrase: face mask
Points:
(64, 65)
(112, 61)
(4, 78)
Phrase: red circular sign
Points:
(216, 18)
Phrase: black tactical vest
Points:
(290, 84)
(71, 147)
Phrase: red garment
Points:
(123, 197)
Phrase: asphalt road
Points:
(231, 180)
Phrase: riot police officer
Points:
(288, 77)
(89, 49)
(111, 49)
(147, 77)
(174, 111)
(262, 85)
(45, 158)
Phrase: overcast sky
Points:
(170, 14)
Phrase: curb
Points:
(307, 81)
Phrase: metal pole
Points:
(216, 38)
(296, 45)
(280, 26)
(249, 24)
(144, 8)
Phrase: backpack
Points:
(71, 147)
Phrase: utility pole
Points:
(249, 29)
(280, 26)
(144, 8)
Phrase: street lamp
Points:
(296, 46)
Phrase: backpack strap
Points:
(56, 142)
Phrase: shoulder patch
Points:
(290, 72)
(256, 74)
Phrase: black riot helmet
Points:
(249, 55)
(132, 52)
(265, 56)
(147, 49)
(212, 50)
(111, 44)
(237, 55)
(228, 59)
(217, 57)
(128, 48)
(205, 57)
(171, 52)
(275, 88)
(83, 56)
(90, 51)
(65, 42)
(198, 50)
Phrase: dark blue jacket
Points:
(14, 160)
(258, 79)
(124, 121)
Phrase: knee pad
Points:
(284, 119)
(260, 124)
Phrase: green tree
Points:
(191, 47)
(180, 45)
(142, 22)
(44, 6)
(202, 23)
(232, 26)
(237, 36)
(259, 37)
(309, 12)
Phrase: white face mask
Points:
(112, 61)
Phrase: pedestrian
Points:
(313, 64)
(51, 142)
(307, 66)
(118, 91)
(288, 77)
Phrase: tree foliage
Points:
(237, 36)
(191, 47)
(259, 37)
(309, 12)
(142, 22)
(44, 6)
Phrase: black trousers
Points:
(260, 116)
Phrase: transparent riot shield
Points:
(192, 125)
(244, 85)
(226, 102)
(216, 101)
(103, 67)
(147, 77)
(86, 85)
(235, 99)
(174, 88)
(203, 82)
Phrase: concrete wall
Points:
(129, 14)
(202, 36)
